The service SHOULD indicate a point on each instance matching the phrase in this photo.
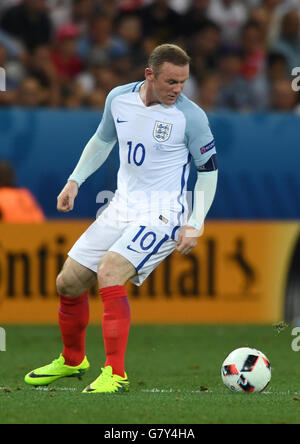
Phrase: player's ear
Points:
(149, 74)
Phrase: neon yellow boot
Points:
(56, 370)
(107, 382)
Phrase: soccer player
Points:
(159, 131)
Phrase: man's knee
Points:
(66, 286)
(108, 274)
(114, 270)
(74, 280)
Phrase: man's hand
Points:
(187, 239)
(65, 201)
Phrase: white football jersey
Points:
(156, 146)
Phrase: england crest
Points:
(162, 131)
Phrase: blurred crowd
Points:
(71, 53)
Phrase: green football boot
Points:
(56, 370)
(107, 382)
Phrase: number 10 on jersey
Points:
(136, 154)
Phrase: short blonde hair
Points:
(167, 53)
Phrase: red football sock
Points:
(115, 326)
(73, 319)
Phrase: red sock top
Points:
(116, 291)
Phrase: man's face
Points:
(168, 83)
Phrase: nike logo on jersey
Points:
(121, 121)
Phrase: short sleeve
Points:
(198, 136)
(107, 130)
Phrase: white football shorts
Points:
(144, 246)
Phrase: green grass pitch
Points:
(174, 373)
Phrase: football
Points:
(246, 370)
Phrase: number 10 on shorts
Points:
(148, 239)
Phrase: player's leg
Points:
(72, 286)
(133, 256)
(113, 273)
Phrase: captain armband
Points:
(210, 165)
